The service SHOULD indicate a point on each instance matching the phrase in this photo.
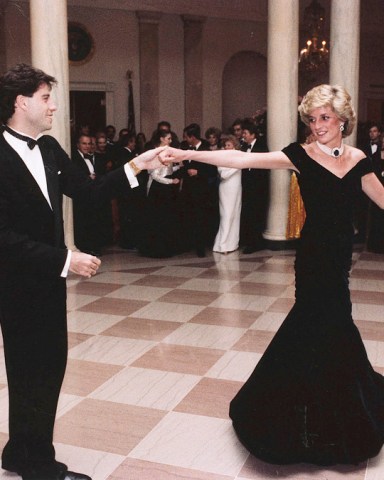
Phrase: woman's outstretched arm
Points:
(230, 158)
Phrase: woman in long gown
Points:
(314, 397)
(161, 236)
(227, 237)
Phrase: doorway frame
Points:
(107, 87)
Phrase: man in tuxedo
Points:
(199, 194)
(364, 208)
(130, 205)
(35, 172)
(255, 192)
(90, 222)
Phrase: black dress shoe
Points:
(76, 476)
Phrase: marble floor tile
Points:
(253, 288)
(110, 350)
(86, 287)
(178, 358)
(75, 301)
(367, 274)
(133, 469)
(234, 365)
(254, 341)
(75, 338)
(257, 303)
(194, 442)
(270, 277)
(83, 377)
(142, 328)
(168, 311)
(113, 306)
(139, 292)
(368, 298)
(162, 281)
(277, 267)
(371, 330)
(97, 464)
(106, 426)
(366, 285)
(217, 395)
(269, 321)
(229, 317)
(375, 352)
(146, 388)
(91, 322)
(209, 285)
(282, 305)
(206, 336)
(362, 311)
(185, 271)
(191, 297)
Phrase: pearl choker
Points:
(333, 152)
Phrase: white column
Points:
(345, 49)
(283, 47)
(49, 43)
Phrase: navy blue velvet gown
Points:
(314, 397)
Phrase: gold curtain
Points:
(296, 212)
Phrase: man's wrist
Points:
(134, 167)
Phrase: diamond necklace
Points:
(333, 152)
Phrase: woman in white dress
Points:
(227, 238)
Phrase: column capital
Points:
(148, 17)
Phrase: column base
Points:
(276, 245)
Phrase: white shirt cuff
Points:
(64, 273)
(133, 182)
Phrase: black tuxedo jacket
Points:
(207, 174)
(31, 233)
(378, 163)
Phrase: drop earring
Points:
(341, 127)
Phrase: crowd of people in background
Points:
(192, 206)
(176, 208)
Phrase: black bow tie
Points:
(88, 156)
(30, 141)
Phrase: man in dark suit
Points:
(367, 214)
(131, 204)
(86, 222)
(35, 172)
(199, 194)
(255, 194)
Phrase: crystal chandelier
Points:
(313, 59)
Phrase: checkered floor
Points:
(159, 347)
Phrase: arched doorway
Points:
(244, 86)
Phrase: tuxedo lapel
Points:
(52, 173)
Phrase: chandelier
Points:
(313, 58)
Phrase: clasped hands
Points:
(157, 157)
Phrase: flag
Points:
(131, 107)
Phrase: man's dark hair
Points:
(20, 80)
(192, 130)
(250, 126)
(127, 138)
(164, 123)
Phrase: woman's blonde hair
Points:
(334, 96)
